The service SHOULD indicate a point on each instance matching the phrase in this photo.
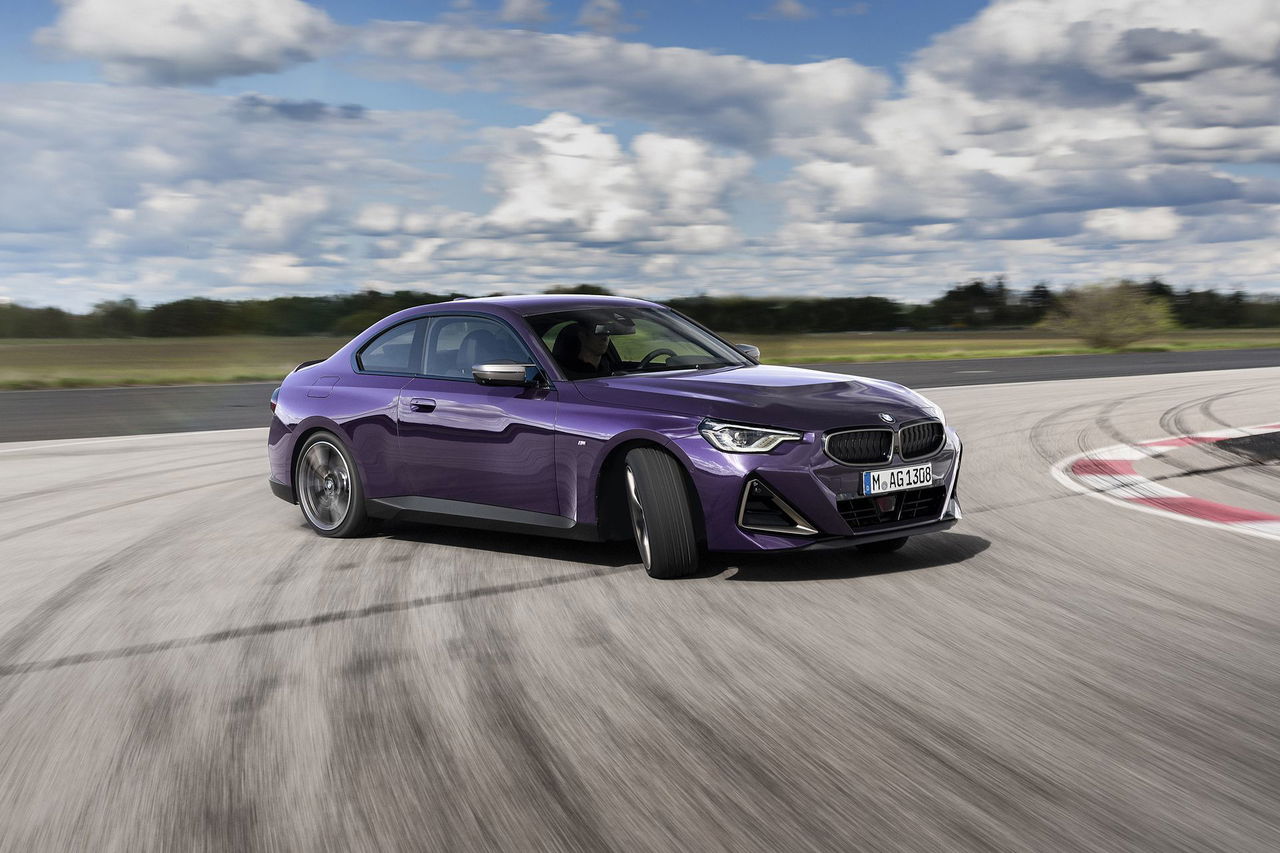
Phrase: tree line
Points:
(976, 304)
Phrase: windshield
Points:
(615, 341)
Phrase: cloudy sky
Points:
(238, 148)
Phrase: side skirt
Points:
(283, 492)
(481, 516)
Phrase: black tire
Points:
(661, 518)
(327, 484)
(884, 546)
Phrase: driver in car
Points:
(588, 355)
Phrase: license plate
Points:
(896, 479)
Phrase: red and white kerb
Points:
(1109, 473)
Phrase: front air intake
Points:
(920, 440)
(860, 446)
(761, 509)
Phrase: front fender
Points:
(588, 437)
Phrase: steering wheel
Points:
(644, 362)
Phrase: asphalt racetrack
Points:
(184, 666)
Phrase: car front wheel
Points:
(328, 488)
(661, 518)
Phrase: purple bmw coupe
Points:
(602, 418)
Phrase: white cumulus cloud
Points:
(1067, 141)
(567, 177)
(1155, 223)
(281, 268)
(188, 41)
(276, 220)
(727, 99)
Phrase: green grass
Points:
(87, 363)
(81, 363)
(911, 346)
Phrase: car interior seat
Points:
(566, 346)
(482, 346)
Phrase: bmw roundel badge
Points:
(887, 418)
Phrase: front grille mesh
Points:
(909, 505)
(920, 440)
(861, 447)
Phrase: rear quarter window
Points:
(392, 351)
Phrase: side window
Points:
(393, 350)
(456, 344)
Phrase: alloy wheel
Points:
(324, 486)
(638, 525)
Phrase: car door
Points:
(364, 403)
(480, 444)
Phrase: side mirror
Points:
(749, 351)
(506, 373)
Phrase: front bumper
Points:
(824, 493)
(843, 542)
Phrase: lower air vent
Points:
(893, 507)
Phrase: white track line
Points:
(1015, 383)
(1126, 488)
(24, 446)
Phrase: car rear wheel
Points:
(884, 546)
(328, 488)
(661, 518)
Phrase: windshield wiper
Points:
(662, 368)
(701, 365)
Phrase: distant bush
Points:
(1111, 316)
(587, 289)
(977, 305)
(354, 324)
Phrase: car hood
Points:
(763, 395)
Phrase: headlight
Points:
(933, 409)
(738, 438)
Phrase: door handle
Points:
(421, 404)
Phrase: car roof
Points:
(512, 306)
(540, 303)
